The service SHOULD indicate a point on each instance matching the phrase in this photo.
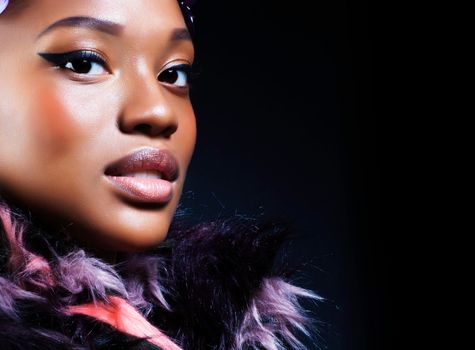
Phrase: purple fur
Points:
(146, 282)
(208, 286)
(274, 311)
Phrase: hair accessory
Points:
(3, 5)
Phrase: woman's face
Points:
(65, 119)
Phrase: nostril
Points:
(144, 128)
(147, 129)
(170, 130)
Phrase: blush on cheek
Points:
(54, 124)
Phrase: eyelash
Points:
(177, 69)
(61, 59)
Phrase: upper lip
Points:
(161, 160)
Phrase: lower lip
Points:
(146, 190)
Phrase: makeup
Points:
(146, 175)
(80, 100)
(53, 123)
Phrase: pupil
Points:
(170, 76)
(83, 66)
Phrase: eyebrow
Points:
(105, 26)
(86, 22)
(180, 34)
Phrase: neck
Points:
(108, 256)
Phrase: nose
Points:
(147, 111)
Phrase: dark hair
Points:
(188, 15)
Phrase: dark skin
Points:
(59, 128)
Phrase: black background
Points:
(286, 129)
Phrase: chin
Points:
(141, 241)
(129, 242)
(133, 235)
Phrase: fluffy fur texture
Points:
(207, 286)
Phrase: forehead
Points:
(137, 17)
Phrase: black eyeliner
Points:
(63, 57)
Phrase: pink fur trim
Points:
(123, 316)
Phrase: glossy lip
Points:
(161, 160)
(145, 189)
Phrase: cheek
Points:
(186, 136)
(54, 124)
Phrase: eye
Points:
(178, 75)
(80, 62)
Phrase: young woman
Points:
(96, 134)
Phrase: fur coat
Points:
(207, 286)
